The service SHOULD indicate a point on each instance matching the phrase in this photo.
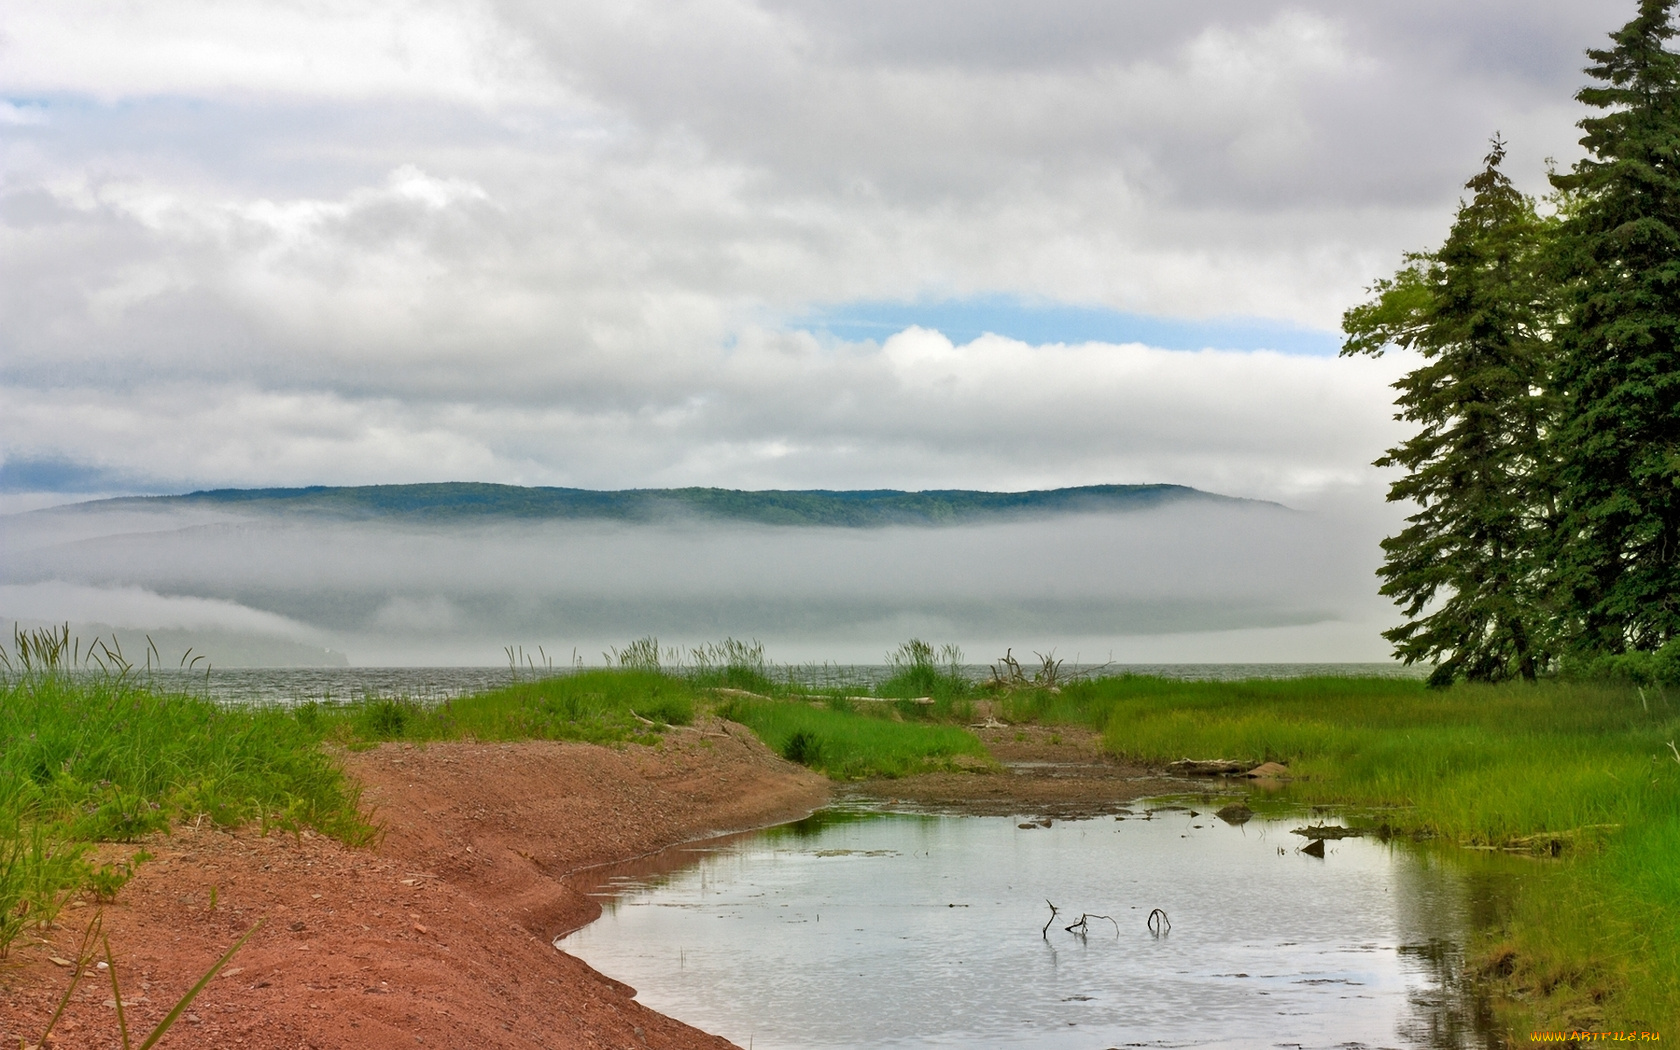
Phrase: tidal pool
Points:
(861, 929)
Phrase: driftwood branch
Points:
(1159, 924)
(1083, 926)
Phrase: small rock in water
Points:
(1315, 848)
(1268, 771)
(1236, 814)
(1027, 827)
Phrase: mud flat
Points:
(1050, 771)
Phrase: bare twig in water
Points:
(1159, 924)
(1045, 933)
(1083, 926)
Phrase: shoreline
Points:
(441, 934)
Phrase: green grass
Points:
(848, 745)
(102, 759)
(89, 753)
(599, 707)
(87, 758)
(1593, 941)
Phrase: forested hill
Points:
(464, 501)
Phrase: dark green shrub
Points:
(803, 747)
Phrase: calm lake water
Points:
(298, 684)
(893, 930)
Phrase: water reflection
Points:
(861, 929)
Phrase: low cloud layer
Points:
(137, 608)
(1235, 578)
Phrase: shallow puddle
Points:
(891, 930)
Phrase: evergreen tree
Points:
(1619, 370)
(1476, 312)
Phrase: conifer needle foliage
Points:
(1475, 310)
(1546, 465)
(1619, 361)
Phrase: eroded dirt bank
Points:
(439, 936)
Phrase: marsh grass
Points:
(95, 754)
(110, 760)
(607, 706)
(1581, 768)
(921, 671)
(849, 745)
(732, 664)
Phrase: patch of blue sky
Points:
(22, 111)
(54, 474)
(1038, 323)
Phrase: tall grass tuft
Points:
(920, 670)
(90, 755)
(731, 664)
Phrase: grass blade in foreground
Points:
(186, 1000)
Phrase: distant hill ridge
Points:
(461, 501)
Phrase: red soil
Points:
(441, 935)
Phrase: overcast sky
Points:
(786, 243)
(618, 244)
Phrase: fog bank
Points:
(1179, 583)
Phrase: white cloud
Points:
(135, 608)
(777, 411)
(335, 50)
